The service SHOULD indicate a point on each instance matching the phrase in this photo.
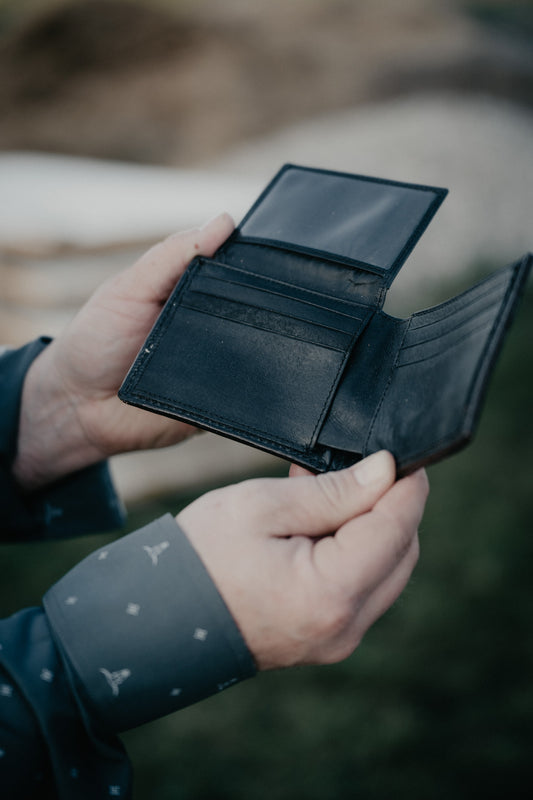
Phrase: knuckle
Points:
(333, 487)
(251, 500)
(403, 542)
(401, 533)
(333, 616)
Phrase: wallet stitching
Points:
(171, 406)
(159, 329)
(494, 329)
(165, 319)
(211, 262)
(322, 255)
(332, 389)
(466, 319)
(201, 414)
(322, 171)
(438, 196)
(275, 311)
(456, 301)
(267, 330)
(271, 293)
(385, 391)
(444, 350)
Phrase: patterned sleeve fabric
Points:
(143, 628)
(47, 748)
(135, 631)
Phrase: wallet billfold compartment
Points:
(280, 341)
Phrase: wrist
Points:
(51, 442)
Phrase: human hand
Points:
(307, 564)
(70, 413)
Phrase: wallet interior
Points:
(280, 340)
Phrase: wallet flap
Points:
(356, 220)
(432, 403)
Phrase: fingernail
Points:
(374, 468)
(214, 219)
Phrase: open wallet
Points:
(280, 341)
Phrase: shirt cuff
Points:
(143, 628)
(82, 502)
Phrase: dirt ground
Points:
(180, 82)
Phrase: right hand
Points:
(307, 564)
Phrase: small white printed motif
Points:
(200, 634)
(155, 551)
(114, 679)
(175, 692)
(47, 675)
(71, 601)
(6, 690)
(114, 791)
(226, 684)
(103, 555)
(133, 609)
(51, 512)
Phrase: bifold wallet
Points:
(280, 341)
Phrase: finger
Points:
(319, 504)
(366, 550)
(363, 611)
(154, 275)
(389, 590)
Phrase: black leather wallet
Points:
(280, 341)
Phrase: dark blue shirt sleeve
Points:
(47, 748)
(135, 631)
(83, 502)
(143, 628)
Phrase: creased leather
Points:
(280, 341)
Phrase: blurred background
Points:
(123, 121)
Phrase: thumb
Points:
(153, 277)
(318, 505)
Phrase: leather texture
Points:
(280, 341)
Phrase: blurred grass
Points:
(437, 701)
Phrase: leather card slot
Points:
(426, 402)
(246, 277)
(261, 377)
(282, 324)
(283, 304)
(332, 283)
(489, 291)
(442, 328)
(363, 382)
(440, 346)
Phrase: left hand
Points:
(70, 413)
(306, 565)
